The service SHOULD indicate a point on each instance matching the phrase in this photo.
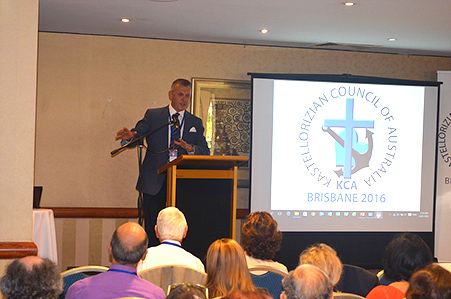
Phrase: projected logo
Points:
(347, 137)
(351, 154)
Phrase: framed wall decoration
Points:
(225, 109)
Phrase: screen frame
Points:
(345, 241)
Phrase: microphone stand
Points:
(140, 143)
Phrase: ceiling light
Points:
(264, 31)
(125, 20)
(392, 39)
(349, 3)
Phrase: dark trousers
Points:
(152, 205)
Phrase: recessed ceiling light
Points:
(264, 31)
(125, 20)
(392, 39)
(349, 3)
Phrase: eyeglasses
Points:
(289, 292)
(199, 287)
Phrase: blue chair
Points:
(75, 274)
(271, 280)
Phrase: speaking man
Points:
(185, 136)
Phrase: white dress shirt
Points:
(171, 253)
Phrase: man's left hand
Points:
(184, 145)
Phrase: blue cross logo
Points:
(348, 124)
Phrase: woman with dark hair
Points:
(261, 240)
(226, 269)
(433, 282)
(402, 257)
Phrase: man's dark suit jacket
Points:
(193, 133)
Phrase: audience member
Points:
(31, 277)
(433, 282)
(261, 240)
(188, 291)
(404, 255)
(259, 294)
(127, 247)
(325, 258)
(227, 269)
(306, 282)
(171, 229)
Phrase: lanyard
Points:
(173, 244)
(123, 271)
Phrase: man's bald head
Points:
(30, 261)
(128, 244)
(306, 282)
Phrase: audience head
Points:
(186, 291)
(128, 244)
(31, 277)
(259, 294)
(432, 282)
(227, 268)
(261, 238)
(325, 258)
(405, 254)
(306, 282)
(171, 225)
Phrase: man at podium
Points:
(185, 135)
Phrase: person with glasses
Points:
(306, 282)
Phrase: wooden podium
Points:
(204, 188)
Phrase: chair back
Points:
(347, 296)
(75, 274)
(384, 280)
(164, 276)
(271, 280)
(446, 265)
(356, 280)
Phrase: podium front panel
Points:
(206, 204)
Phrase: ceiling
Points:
(420, 27)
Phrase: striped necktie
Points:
(175, 129)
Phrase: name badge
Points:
(172, 155)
